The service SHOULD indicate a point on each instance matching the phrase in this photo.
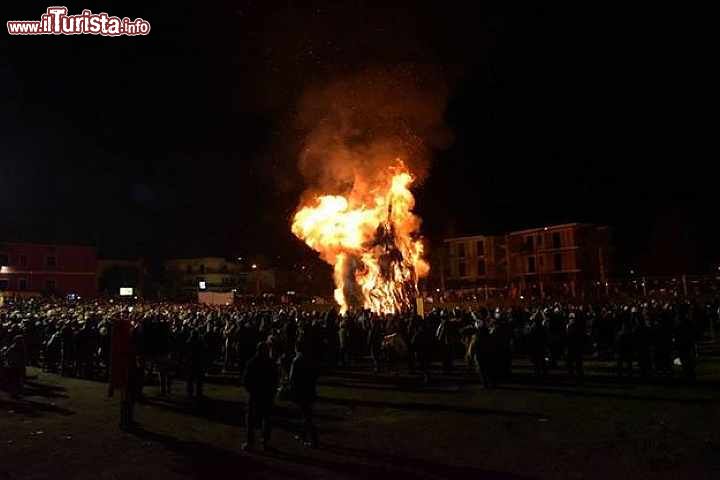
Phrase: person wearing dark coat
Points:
(86, 341)
(624, 348)
(422, 344)
(642, 341)
(556, 336)
(374, 340)
(197, 364)
(445, 338)
(16, 359)
(303, 388)
(537, 345)
(662, 336)
(261, 380)
(503, 338)
(575, 346)
(685, 343)
(485, 354)
(67, 355)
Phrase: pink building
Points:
(48, 269)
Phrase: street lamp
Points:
(254, 266)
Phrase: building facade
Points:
(474, 261)
(114, 274)
(218, 274)
(28, 268)
(569, 259)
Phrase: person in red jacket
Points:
(124, 369)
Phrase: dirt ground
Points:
(386, 426)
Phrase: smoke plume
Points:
(357, 125)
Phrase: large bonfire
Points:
(371, 238)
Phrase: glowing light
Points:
(370, 237)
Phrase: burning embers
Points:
(371, 237)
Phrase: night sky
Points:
(177, 143)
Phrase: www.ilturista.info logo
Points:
(56, 21)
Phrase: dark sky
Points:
(176, 142)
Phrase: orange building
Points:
(474, 261)
(569, 259)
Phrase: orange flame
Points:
(371, 237)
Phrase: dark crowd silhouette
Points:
(280, 351)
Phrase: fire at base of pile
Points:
(371, 237)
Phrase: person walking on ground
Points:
(303, 388)
(261, 379)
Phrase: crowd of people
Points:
(282, 349)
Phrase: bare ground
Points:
(382, 427)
